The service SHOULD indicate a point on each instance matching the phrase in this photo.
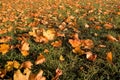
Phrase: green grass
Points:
(74, 67)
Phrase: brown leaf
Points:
(109, 57)
(90, 56)
(40, 59)
(25, 46)
(2, 73)
(58, 74)
(111, 38)
(108, 26)
(5, 39)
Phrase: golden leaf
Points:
(24, 53)
(25, 46)
(61, 58)
(49, 34)
(40, 59)
(109, 57)
(4, 48)
(88, 44)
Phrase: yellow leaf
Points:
(109, 57)
(9, 66)
(49, 34)
(61, 58)
(25, 53)
(16, 64)
(4, 48)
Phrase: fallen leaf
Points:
(18, 75)
(88, 44)
(49, 34)
(58, 74)
(25, 46)
(5, 39)
(12, 64)
(108, 26)
(77, 50)
(24, 52)
(61, 58)
(4, 48)
(26, 64)
(111, 38)
(37, 76)
(56, 43)
(74, 42)
(109, 57)
(90, 56)
(2, 73)
(46, 51)
(40, 59)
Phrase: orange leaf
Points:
(77, 50)
(58, 74)
(26, 64)
(75, 42)
(40, 59)
(56, 43)
(25, 46)
(4, 48)
(109, 57)
(25, 53)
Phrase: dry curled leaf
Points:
(56, 43)
(111, 38)
(4, 48)
(26, 64)
(109, 57)
(5, 39)
(58, 74)
(108, 26)
(40, 59)
(2, 73)
(90, 56)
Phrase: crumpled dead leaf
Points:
(40, 59)
(58, 74)
(5, 39)
(2, 73)
(56, 43)
(74, 42)
(111, 38)
(90, 56)
(77, 50)
(4, 48)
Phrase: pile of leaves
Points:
(60, 39)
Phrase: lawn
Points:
(60, 40)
